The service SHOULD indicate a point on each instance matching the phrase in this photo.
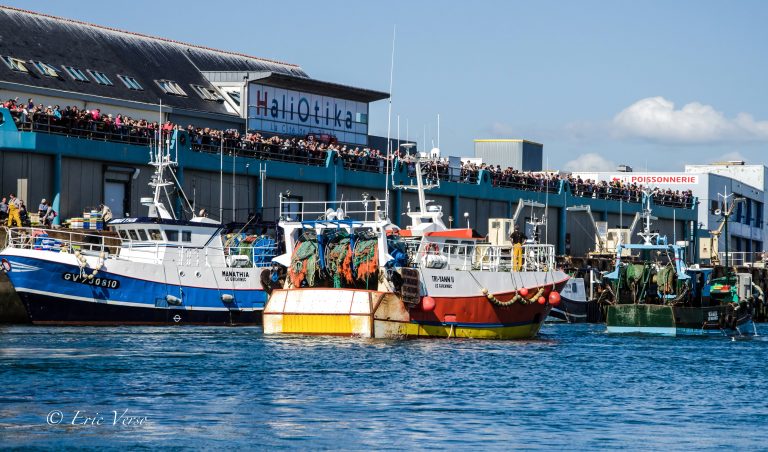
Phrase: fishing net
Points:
(635, 273)
(304, 261)
(338, 262)
(665, 278)
(366, 258)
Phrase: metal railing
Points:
(357, 210)
(261, 151)
(88, 129)
(60, 240)
(744, 258)
(483, 257)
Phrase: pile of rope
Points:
(338, 262)
(304, 266)
(366, 258)
(516, 299)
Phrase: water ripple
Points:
(574, 388)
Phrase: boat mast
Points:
(161, 160)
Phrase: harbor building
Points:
(747, 232)
(245, 130)
(521, 154)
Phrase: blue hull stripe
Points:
(134, 291)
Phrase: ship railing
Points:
(71, 241)
(745, 258)
(538, 257)
(59, 240)
(453, 256)
(291, 209)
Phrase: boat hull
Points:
(55, 291)
(676, 321)
(375, 314)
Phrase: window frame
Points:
(186, 236)
(206, 93)
(171, 87)
(142, 235)
(45, 69)
(172, 235)
(15, 64)
(76, 74)
(100, 77)
(154, 233)
(130, 82)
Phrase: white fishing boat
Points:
(352, 272)
(158, 269)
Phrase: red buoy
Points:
(542, 300)
(427, 304)
(554, 298)
(523, 292)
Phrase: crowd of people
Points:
(621, 191)
(314, 150)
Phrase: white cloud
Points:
(656, 119)
(731, 156)
(590, 162)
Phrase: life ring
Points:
(432, 248)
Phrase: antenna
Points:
(221, 181)
(234, 197)
(389, 116)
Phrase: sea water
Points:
(574, 387)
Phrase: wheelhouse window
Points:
(142, 234)
(186, 236)
(76, 74)
(173, 236)
(171, 87)
(130, 82)
(123, 234)
(132, 233)
(15, 64)
(155, 234)
(100, 77)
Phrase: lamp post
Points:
(248, 179)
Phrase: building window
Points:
(171, 87)
(130, 82)
(100, 77)
(15, 64)
(76, 74)
(45, 69)
(235, 96)
(207, 94)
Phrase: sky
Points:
(652, 84)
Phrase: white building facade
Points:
(747, 227)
